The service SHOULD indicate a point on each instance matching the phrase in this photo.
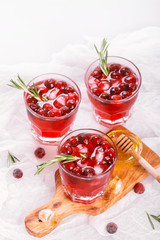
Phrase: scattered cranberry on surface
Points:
(111, 227)
(39, 152)
(139, 188)
(17, 173)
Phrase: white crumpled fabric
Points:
(19, 197)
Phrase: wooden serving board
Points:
(63, 206)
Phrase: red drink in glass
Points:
(85, 180)
(113, 96)
(52, 119)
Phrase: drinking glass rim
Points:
(107, 100)
(95, 176)
(53, 118)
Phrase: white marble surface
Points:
(18, 197)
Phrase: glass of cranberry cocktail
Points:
(113, 96)
(51, 119)
(85, 180)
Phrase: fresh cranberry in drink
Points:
(52, 118)
(113, 95)
(94, 168)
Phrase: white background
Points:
(58, 36)
(32, 30)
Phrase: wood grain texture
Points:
(63, 206)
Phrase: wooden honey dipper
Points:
(126, 145)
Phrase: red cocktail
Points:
(85, 180)
(53, 118)
(113, 96)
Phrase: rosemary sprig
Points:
(152, 225)
(11, 159)
(156, 217)
(58, 158)
(103, 55)
(33, 91)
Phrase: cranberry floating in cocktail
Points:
(113, 90)
(52, 116)
(85, 180)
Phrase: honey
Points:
(123, 157)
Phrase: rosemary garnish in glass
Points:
(11, 159)
(103, 55)
(33, 91)
(58, 158)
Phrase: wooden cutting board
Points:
(62, 206)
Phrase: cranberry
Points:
(124, 87)
(88, 172)
(115, 75)
(108, 160)
(47, 107)
(97, 73)
(125, 71)
(77, 170)
(114, 91)
(111, 227)
(73, 96)
(43, 112)
(132, 87)
(70, 165)
(68, 89)
(125, 94)
(83, 138)
(54, 113)
(50, 83)
(114, 67)
(116, 97)
(39, 152)
(130, 79)
(105, 145)
(31, 99)
(105, 95)
(71, 104)
(34, 107)
(73, 141)
(17, 173)
(67, 149)
(95, 139)
(110, 152)
(96, 91)
(139, 188)
(64, 111)
(61, 85)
